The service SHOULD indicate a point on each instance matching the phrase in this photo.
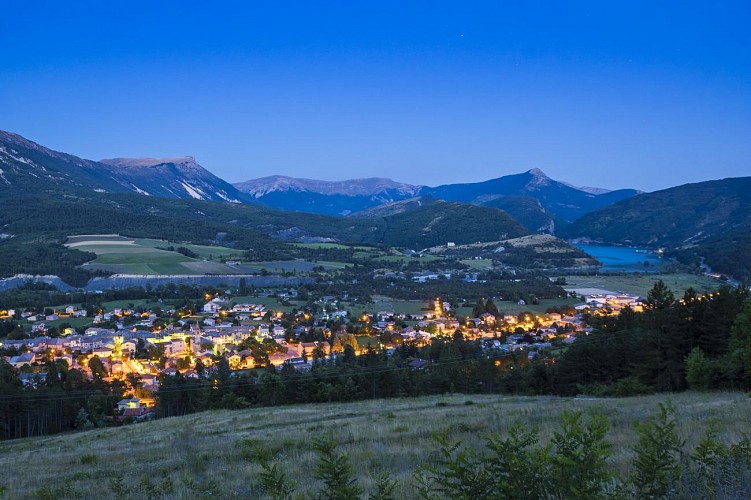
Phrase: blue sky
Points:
(609, 94)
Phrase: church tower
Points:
(196, 338)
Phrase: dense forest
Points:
(697, 341)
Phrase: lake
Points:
(622, 259)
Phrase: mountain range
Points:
(26, 165)
(532, 198)
(708, 221)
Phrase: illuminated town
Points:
(145, 346)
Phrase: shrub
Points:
(335, 471)
(658, 453)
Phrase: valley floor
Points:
(216, 453)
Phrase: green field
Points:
(134, 303)
(74, 322)
(640, 284)
(293, 265)
(123, 255)
(478, 264)
(271, 303)
(317, 246)
(514, 308)
(215, 454)
(381, 303)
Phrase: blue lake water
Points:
(622, 259)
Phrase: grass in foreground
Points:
(216, 453)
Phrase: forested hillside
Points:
(35, 227)
(708, 220)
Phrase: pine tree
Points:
(739, 350)
(660, 296)
(479, 309)
(490, 308)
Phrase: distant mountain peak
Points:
(536, 172)
(149, 162)
(539, 179)
(176, 177)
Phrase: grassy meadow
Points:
(640, 284)
(283, 266)
(216, 453)
(514, 308)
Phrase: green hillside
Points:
(729, 254)
(674, 217)
(527, 210)
(708, 219)
(34, 227)
(440, 222)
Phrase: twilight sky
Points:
(608, 94)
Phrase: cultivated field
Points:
(282, 266)
(216, 453)
(119, 254)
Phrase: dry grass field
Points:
(215, 454)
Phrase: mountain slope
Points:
(559, 199)
(528, 211)
(706, 220)
(372, 186)
(440, 222)
(674, 217)
(393, 208)
(27, 167)
(525, 210)
(173, 178)
(34, 226)
(729, 254)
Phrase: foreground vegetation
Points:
(240, 453)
